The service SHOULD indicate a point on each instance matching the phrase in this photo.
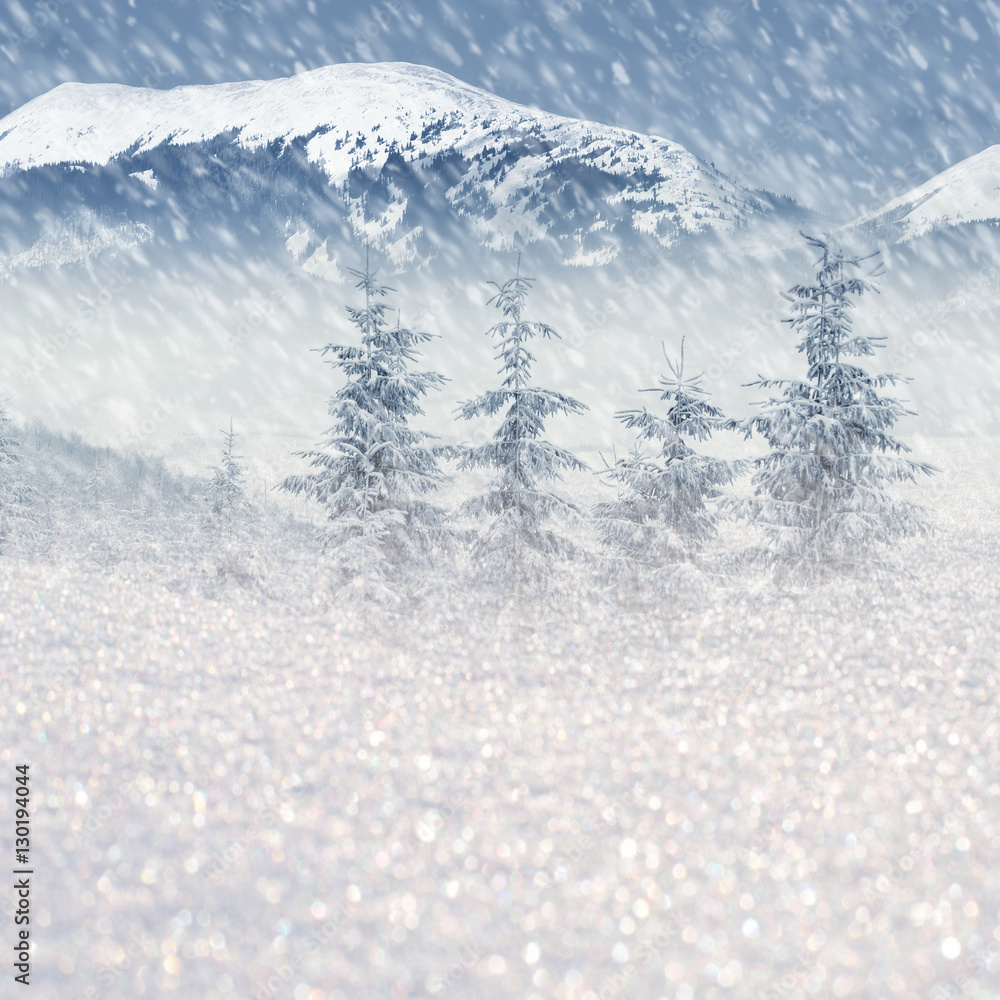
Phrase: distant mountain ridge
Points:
(966, 192)
(302, 170)
(397, 155)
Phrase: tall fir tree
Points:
(516, 551)
(373, 470)
(16, 495)
(821, 493)
(662, 516)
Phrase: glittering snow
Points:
(736, 792)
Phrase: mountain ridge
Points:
(506, 165)
(965, 192)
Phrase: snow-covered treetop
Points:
(371, 448)
(821, 311)
(690, 414)
(838, 403)
(517, 447)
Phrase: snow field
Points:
(746, 793)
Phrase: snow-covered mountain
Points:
(397, 155)
(968, 191)
(769, 91)
(207, 217)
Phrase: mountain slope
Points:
(968, 191)
(391, 149)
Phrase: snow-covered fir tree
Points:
(662, 515)
(516, 551)
(373, 470)
(227, 498)
(15, 494)
(233, 519)
(821, 494)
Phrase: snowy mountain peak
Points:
(95, 122)
(968, 191)
(514, 173)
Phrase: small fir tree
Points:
(518, 548)
(820, 494)
(373, 470)
(234, 520)
(662, 516)
(227, 496)
(16, 496)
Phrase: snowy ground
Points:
(749, 796)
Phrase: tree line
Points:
(821, 497)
